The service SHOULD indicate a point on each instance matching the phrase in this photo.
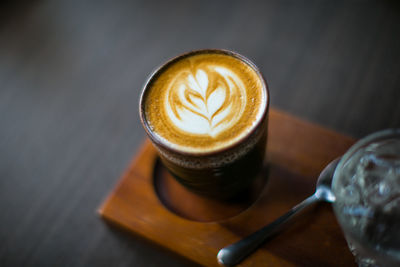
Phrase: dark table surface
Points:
(71, 73)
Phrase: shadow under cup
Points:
(225, 174)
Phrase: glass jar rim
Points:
(374, 137)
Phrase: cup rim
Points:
(157, 71)
(376, 136)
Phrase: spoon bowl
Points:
(323, 189)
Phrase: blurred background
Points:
(71, 73)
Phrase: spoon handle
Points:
(236, 252)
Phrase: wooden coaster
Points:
(148, 202)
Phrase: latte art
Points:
(205, 102)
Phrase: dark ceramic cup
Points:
(224, 173)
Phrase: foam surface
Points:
(204, 102)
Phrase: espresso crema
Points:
(204, 102)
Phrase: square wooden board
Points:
(296, 153)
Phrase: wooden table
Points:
(71, 73)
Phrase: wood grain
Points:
(297, 152)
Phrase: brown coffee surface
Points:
(204, 101)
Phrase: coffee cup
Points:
(206, 113)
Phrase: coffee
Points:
(206, 114)
(204, 102)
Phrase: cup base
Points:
(189, 205)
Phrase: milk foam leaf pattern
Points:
(205, 101)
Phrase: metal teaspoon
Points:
(236, 252)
